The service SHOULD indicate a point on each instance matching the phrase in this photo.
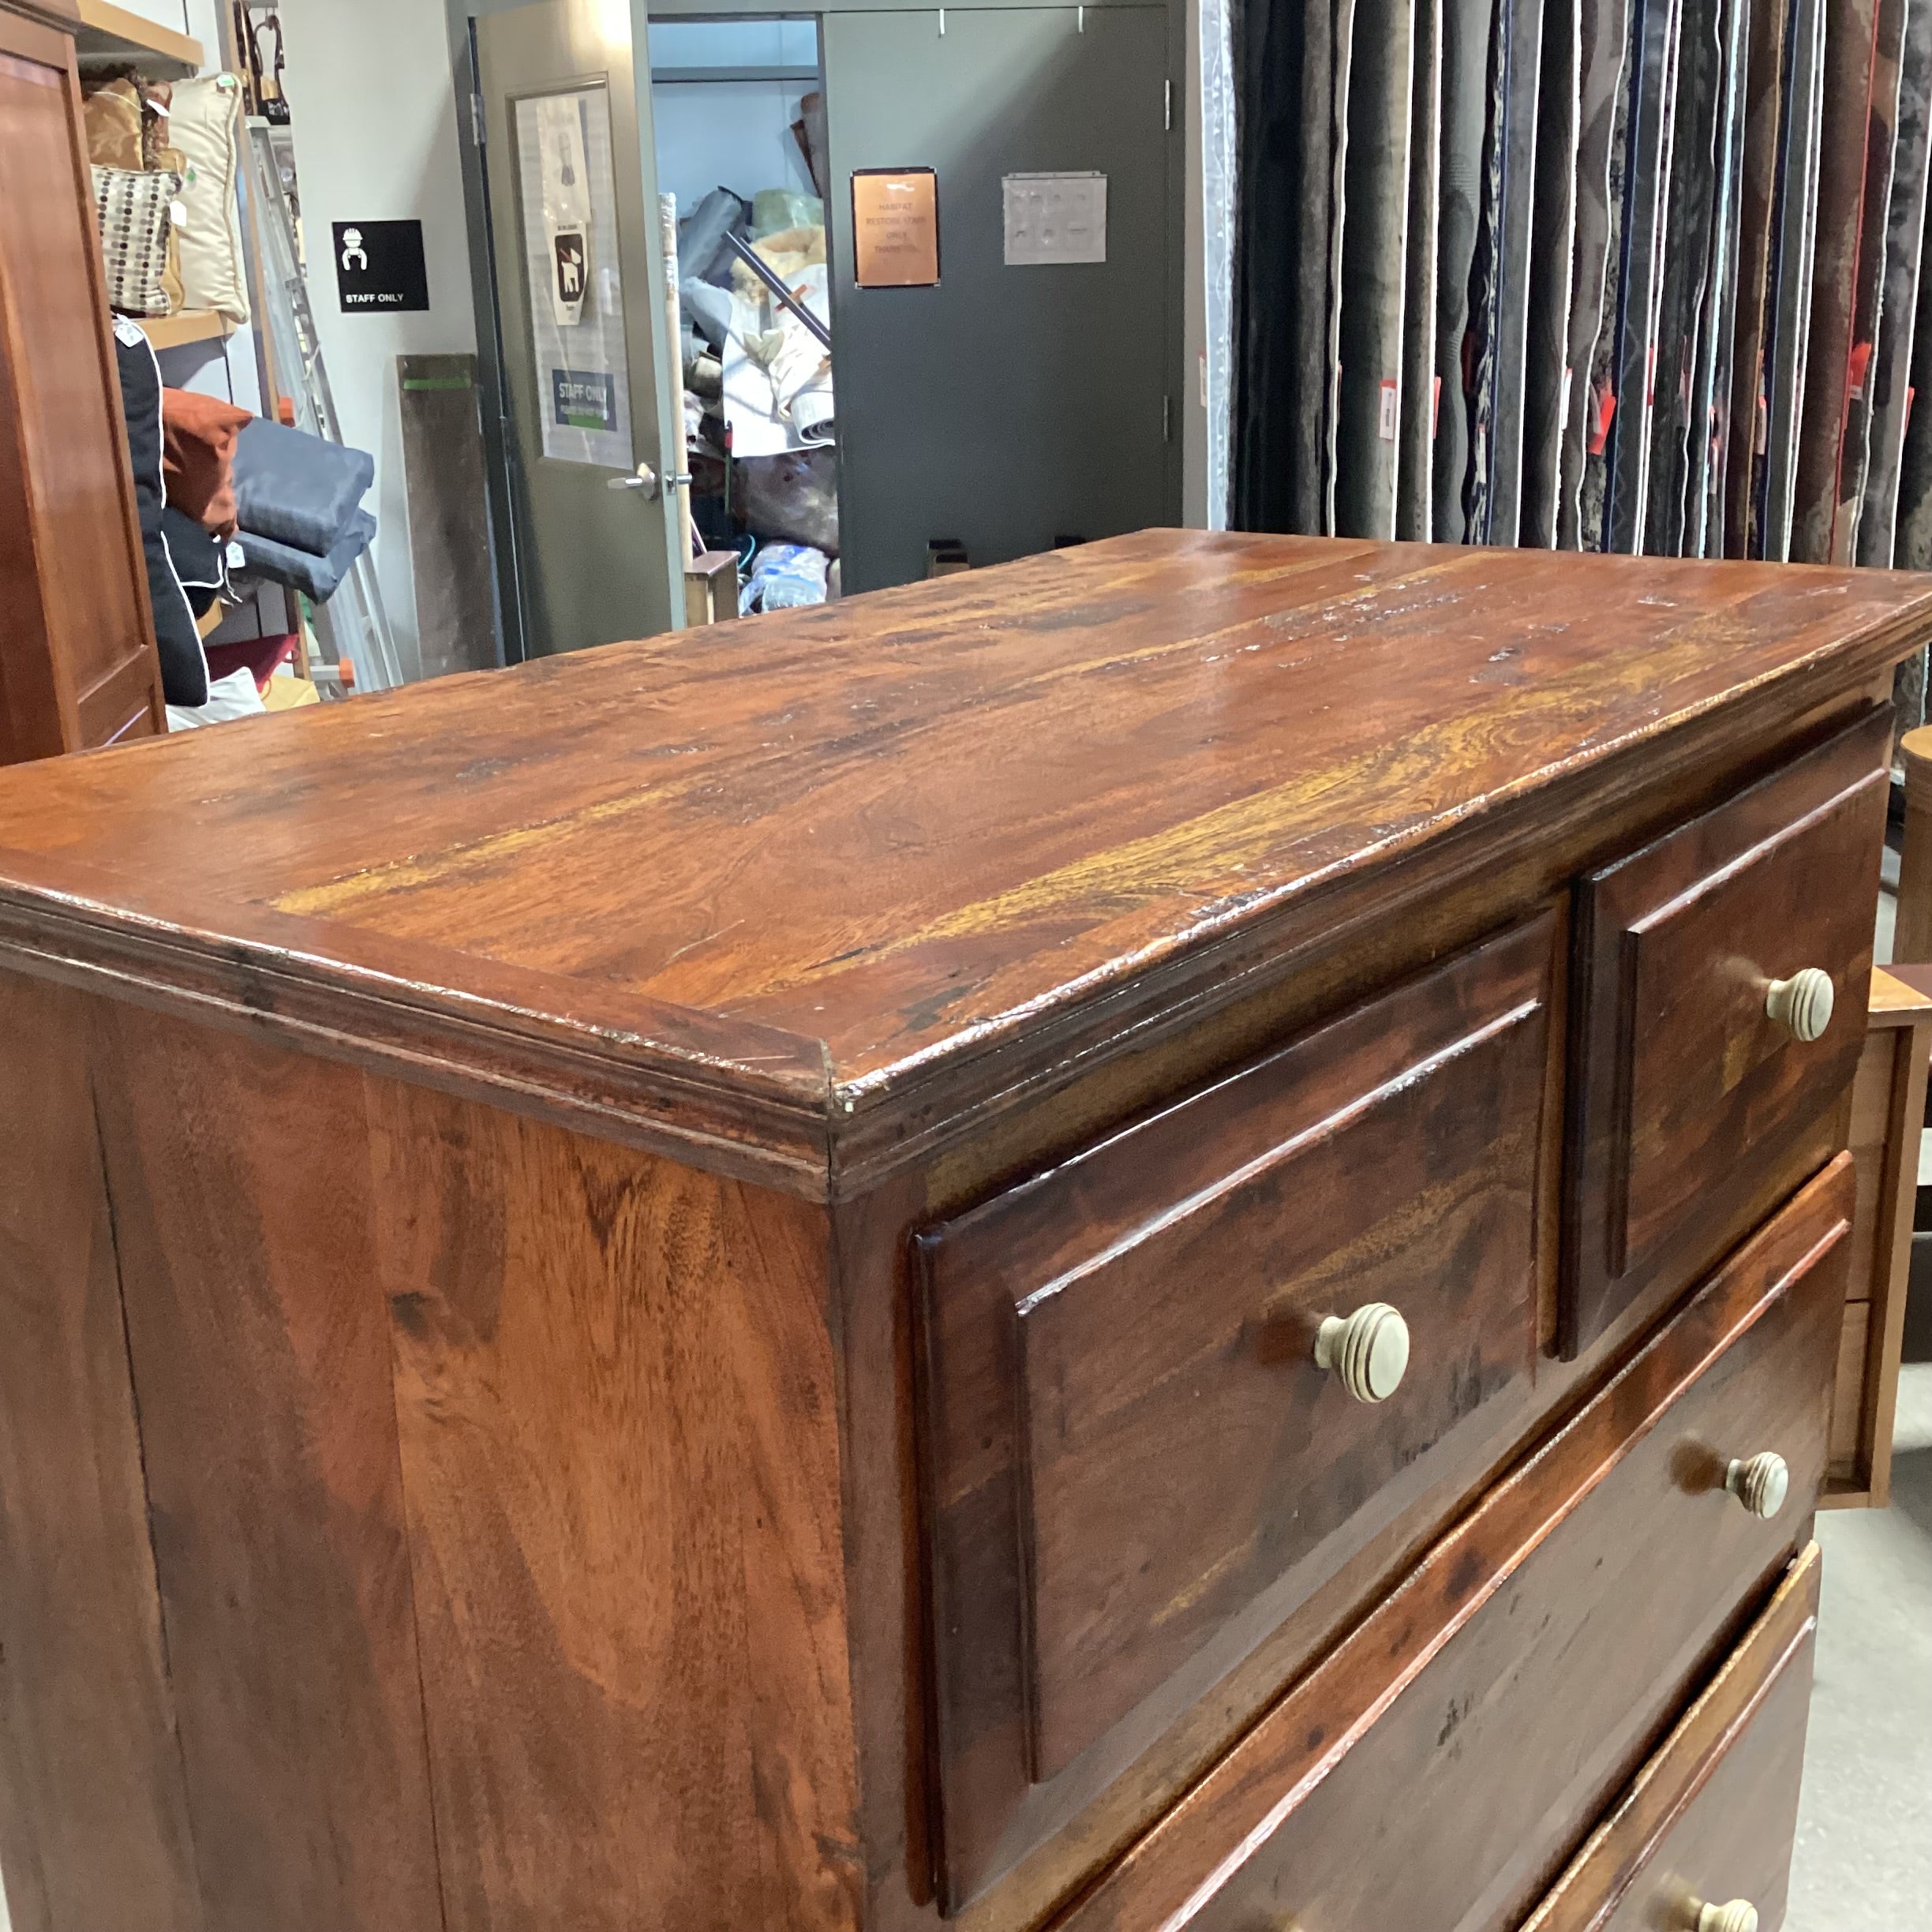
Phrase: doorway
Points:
(1023, 394)
(738, 105)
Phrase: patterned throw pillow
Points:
(134, 215)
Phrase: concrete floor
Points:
(1864, 1857)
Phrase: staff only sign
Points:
(378, 266)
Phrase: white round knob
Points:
(1802, 1005)
(1369, 1350)
(1739, 1915)
(1760, 1484)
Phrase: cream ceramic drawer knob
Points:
(1760, 1484)
(1739, 1915)
(1802, 1005)
(1369, 1349)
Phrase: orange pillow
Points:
(198, 438)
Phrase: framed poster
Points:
(569, 201)
(895, 227)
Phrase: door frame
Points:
(512, 536)
(1179, 391)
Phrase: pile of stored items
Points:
(758, 410)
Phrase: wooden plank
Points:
(1895, 1001)
(259, 1343)
(1891, 1275)
(94, 1824)
(620, 1438)
(104, 31)
(186, 325)
(448, 513)
(1849, 1394)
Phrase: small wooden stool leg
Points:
(1912, 941)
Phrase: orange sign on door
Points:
(895, 227)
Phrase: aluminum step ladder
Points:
(352, 623)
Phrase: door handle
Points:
(648, 481)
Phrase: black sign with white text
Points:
(379, 265)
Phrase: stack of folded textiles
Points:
(297, 507)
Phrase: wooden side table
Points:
(1888, 1111)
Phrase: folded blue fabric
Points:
(295, 489)
(315, 577)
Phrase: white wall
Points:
(372, 106)
(734, 134)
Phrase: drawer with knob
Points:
(1440, 1767)
(1718, 996)
(1169, 1387)
(1701, 1841)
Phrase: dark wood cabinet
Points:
(945, 1287)
(78, 666)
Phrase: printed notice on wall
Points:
(895, 227)
(1053, 219)
(576, 292)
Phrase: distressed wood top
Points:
(758, 879)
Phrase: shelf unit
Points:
(188, 325)
(106, 35)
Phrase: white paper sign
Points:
(1053, 219)
(576, 290)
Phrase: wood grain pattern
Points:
(78, 666)
(1710, 1818)
(919, 826)
(1132, 1454)
(1686, 1092)
(1848, 1393)
(94, 1825)
(260, 1340)
(619, 1441)
(1553, 1660)
(1887, 1119)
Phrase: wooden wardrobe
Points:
(78, 666)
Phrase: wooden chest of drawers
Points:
(1154, 1237)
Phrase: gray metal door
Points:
(1009, 405)
(580, 303)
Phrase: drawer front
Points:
(1437, 1769)
(1133, 1453)
(1693, 1108)
(1709, 1820)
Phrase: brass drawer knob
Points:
(1739, 1915)
(1761, 1485)
(1369, 1349)
(1802, 1005)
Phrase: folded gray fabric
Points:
(295, 489)
(315, 577)
(701, 235)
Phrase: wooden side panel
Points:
(619, 1431)
(71, 579)
(94, 1831)
(1871, 1122)
(1711, 1816)
(1848, 1393)
(1537, 1654)
(260, 1346)
(1891, 1257)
